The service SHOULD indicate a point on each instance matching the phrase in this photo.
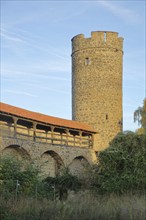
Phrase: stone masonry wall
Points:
(49, 155)
(97, 84)
(49, 158)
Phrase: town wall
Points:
(50, 153)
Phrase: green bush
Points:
(63, 183)
(13, 177)
(122, 166)
(17, 180)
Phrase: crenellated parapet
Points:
(98, 39)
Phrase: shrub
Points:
(122, 167)
(13, 176)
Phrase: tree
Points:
(122, 166)
(140, 117)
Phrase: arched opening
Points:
(18, 153)
(51, 164)
(78, 166)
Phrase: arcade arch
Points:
(51, 163)
(79, 166)
(17, 152)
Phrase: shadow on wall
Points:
(17, 152)
(78, 167)
(51, 164)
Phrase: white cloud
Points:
(32, 42)
(19, 93)
(7, 37)
(43, 69)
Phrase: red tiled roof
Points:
(9, 109)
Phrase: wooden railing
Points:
(50, 137)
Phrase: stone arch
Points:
(78, 166)
(50, 163)
(17, 152)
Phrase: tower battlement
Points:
(101, 39)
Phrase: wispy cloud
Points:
(129, 106)
(8, 37)
(13, 73)
(44, 69)
(56, 78)
(32, 42)
(127, 15)
(47, 88)
(19, 93)
(55, 90)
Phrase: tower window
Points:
(106, 116)
(104, 36)
(87, 61)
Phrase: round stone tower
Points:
(97, 64)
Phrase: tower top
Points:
(97, 39)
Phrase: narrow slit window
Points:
(87, 61)
(106, 116)
(104, 36)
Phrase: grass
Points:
(81, 206)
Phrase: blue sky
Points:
(36, 51)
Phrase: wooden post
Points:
(80, 133)
(34, 131)
(46, 135)
(15, 119)
(61, 138)
(74, 140)
(89, 141)
(28, 129)
(67, 136)
(52, 134)
(92, 140)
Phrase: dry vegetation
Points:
(81, 206)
